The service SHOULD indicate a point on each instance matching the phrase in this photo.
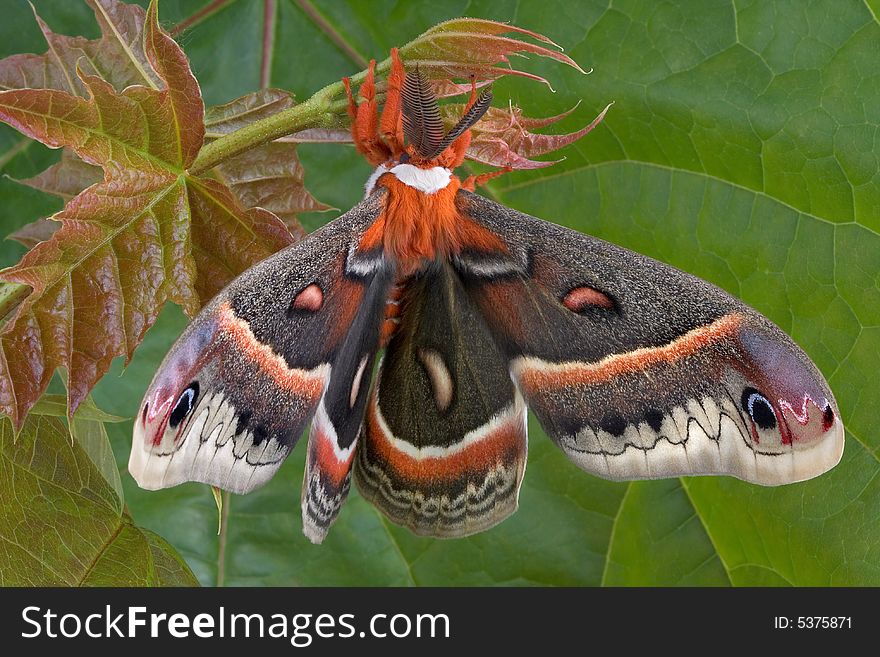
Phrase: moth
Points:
(634, 368)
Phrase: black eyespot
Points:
(827, 418)
(758, 408)
(404, 158)
(184, 405)
(260, 434)
(654, 418)
(613, 424)
(241, 424)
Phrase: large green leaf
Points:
(741, 147)
(62, 520)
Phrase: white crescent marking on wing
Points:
(356, 383)
(438, 374)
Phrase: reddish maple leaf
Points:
(34, 232)
(118, 57)
(503, 137)
(64, 179)
(474, 48)
(148, 232)
(269, 176)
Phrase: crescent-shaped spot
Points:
(356, 383)
(438, 374)
(580, 298)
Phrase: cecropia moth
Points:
(635, 369)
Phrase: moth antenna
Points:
(422, 124)
(474, 114)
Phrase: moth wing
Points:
(340, 413)
(234, 394)
(443, 446)
(639, 370)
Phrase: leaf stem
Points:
(11, 294)
(319, 111)
(221, 548)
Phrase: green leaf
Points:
(62, 520)
(740, 148)
(56, 406)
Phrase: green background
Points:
(742, 147)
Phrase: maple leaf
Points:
(118, 57)
(269, 176)
(35, 232)
(503, 137)
(478, 49)
(148, 232)
(64, 179)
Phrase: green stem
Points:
(320, 111)
(11, 294)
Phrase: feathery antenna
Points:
(422, 124)
(474, 114)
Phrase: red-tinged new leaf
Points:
(67, 178)
(226, 238)
(117, 57)
(502, 138)
(182, 90)
(463, 47)
(483, 26)
(148, 232)
(444, 88)
(35, 232)
(500, 119)
(496, 152)
(269, 176)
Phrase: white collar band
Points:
(425, 180)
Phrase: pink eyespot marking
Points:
(311, 298)
(581, 298)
